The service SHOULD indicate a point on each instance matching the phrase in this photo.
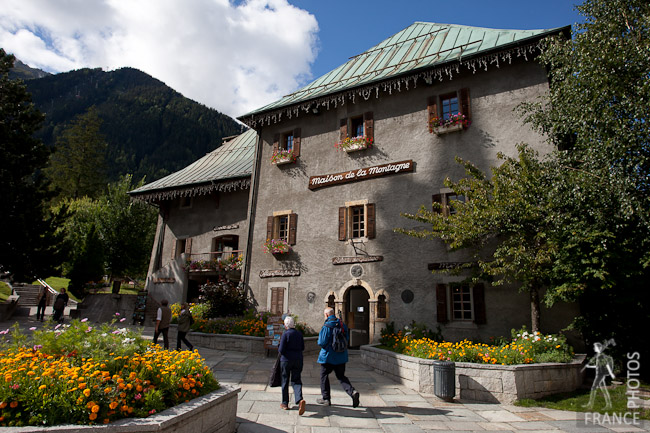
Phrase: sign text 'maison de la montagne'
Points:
(360, 174)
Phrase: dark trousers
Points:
(291, 371)
(58, 315)
(339, 371)
(181, 337)
(164, 332)
(40, 310)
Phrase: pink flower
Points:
(89, 329)
(117, 314)
(33, 328)
(15, 386)
(152, 411)
(138, 396)
(122, 319)
(84, 320)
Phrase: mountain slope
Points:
(151, 129)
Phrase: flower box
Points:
(449, 128)
(283, 157)
(276, 246)
(353, 144)
(453, 123)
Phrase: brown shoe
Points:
(284, 407)
(301, 407)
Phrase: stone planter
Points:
(480, 382)
(213, 413)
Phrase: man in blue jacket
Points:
(331, 360)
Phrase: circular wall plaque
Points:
(407, 296)
(356, 271)
(311, 297)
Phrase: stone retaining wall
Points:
(237, 343)
(213, 413)
(480, 382)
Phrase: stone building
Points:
(202, 220)
(331, 167)
(335, 202)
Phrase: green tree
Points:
(29, 247)
(77, 167)
(504, 221)
(127, 229)
(597, 112)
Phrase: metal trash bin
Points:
(444, 380)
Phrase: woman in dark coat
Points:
(291, 347)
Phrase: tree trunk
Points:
(534, 309)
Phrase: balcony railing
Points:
(216, 261)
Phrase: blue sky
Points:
(237, 55)
(348, 28)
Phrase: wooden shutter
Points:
(277, 300)
(342, 228)
(188, 246)
(296, 142)
(269, 228)
(276, 143)
(368, 125)
(293, 222)
(370, 208)
(479, 304)
(344, 129)
(432, 110)
(441, 303)
(464, 103)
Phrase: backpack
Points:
(339, 340)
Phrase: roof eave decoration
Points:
(522, 49)
(192, 190)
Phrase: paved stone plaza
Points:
(386, 406)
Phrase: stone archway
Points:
(353, 292)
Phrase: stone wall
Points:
(480, 382)
(212, 413)
(237, 343)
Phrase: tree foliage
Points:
(77, 167)
(504, 220)
(29, 247)
(124, 232)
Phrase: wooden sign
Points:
(273, 332)
(357, 259)
(321, 181)
(279, 273)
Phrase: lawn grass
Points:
(577, 400)
(5, 291)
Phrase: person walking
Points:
(43, 301)
(163, 319)
(185, 321)
(331, 360)
(290, 350)
(59, 305)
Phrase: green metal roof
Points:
(226, 168)
(419, 47)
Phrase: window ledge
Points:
(459, 324)
(356, 147)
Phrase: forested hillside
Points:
(150, 129)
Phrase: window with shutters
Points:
(286, 147)
(460, 302)
(181, 246)
(356, 132)
(282, 225)
(449, 112)
(444, 202)
(357, 220)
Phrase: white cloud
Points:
(234, 57)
